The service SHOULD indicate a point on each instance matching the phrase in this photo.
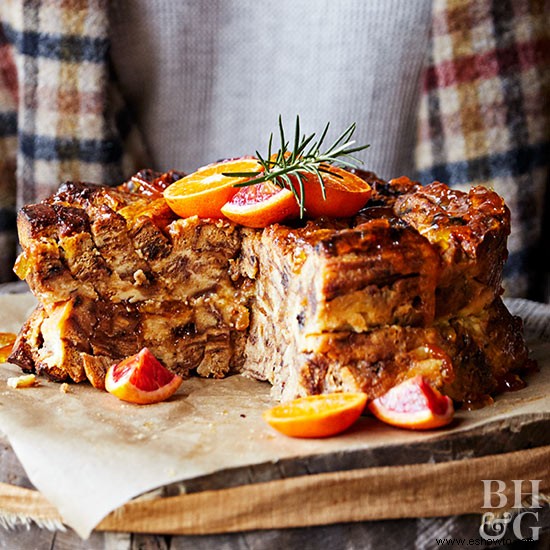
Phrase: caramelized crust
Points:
(469, 230)
(114, 271)
(410, 285)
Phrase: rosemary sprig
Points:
(305, 157)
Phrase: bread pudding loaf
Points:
(411, 285)
(114, 271)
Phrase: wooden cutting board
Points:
(346, 479)
(437, 477)
(422, 490)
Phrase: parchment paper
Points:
(89, 453)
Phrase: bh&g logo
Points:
(493, 527)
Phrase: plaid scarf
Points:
(483, 116)
(61, 117)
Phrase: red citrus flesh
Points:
(260, 205)
(413, 404)
(141, 379)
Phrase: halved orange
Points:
(316, 415)
(205, 191)
(346, 193)
(413, 404)
(261, 204)
(141, 379)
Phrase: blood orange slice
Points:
(141, 379)
(317, 415)
(261, 204)
(205, 191)
(413, 404)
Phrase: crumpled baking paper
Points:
(88, 453)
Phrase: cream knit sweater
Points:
(208, 79)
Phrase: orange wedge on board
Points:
(316, 415)
(260, 205)
(413, 404)
(204, 192)
(141, 379)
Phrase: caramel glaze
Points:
(444, 247)
(151, 183)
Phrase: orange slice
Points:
(7, 339)
(413, 404)
(317, 415)
(261, 204)
(205, 191)
(141, 379)
(346, 193)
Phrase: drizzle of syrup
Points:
(511, 382)
(477, 403)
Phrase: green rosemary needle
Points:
(305, 157)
